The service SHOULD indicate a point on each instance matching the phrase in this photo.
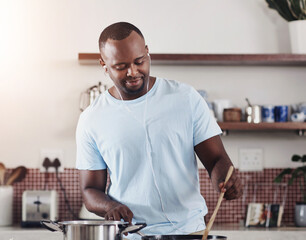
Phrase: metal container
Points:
(299, 214)
(92, 230)
(181, 237)
(90, 95)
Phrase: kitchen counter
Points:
(239, 227)
(232, 231)
(19, 233)
(236, 231)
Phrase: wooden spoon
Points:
(2, 173)
(17, 175)
(213, 216)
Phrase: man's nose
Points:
(132, 71)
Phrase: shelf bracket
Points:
(301, 132)
(224, 132)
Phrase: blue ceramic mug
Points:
(268, 113)
(281, 113)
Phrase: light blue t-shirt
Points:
(147, 145)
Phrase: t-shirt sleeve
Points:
(88, 155)
(204, 124)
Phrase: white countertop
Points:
(239, 227)
(239, 232)
(231, 231)
(19, 233)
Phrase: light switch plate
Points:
(251, 159)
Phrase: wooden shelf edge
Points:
(213, 59)
(244, 126)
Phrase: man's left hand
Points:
(233, 188)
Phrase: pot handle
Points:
(134, 228)
(50, 225)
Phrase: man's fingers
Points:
(232, 189)
(118, 213)
(231, 181)
(235, 191)
(117, 216)
(125, 216)
(109, 217)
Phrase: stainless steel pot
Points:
(181, 237)
(92, 230)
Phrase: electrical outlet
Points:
(52, 154)
(251, 159)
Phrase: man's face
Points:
(128, 65)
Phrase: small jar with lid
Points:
(232, 114)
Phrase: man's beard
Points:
(136, 91)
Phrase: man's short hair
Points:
(117, 31)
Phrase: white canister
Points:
(6, 206)
(253, 114)
(297, 31)
(219, 106)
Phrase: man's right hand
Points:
(119, 211)
(93, 184)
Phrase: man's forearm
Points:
(97, 201)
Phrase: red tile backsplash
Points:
(256, 184)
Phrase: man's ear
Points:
(102, 63)
(147, 49)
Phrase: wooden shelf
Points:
(300, 127)
(214, 59)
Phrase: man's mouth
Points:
(134, 82)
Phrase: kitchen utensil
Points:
(213, 216)
(2, 173)
(92, 230)
(248, 101)
(181, 237)
(17, 175)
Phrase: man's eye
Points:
(120, 67)
(139, 62)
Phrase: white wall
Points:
(41, 79)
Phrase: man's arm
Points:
(216, 161)
(93, 184)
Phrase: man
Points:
(144, 131)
